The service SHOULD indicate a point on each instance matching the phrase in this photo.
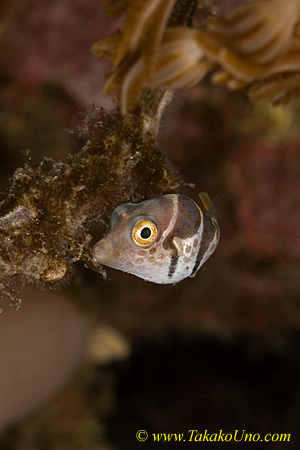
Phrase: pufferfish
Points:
(162, 240)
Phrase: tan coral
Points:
(257, 45)
(107, 48)
(277, 89)
(144, 28)
(180, 62)
(133, 51)
(223, 78)
(127, 77)
(291, 61)
(262, 30)
(131, 87)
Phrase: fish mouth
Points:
(101, 251)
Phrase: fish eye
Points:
(144, 232)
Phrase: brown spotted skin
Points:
(183, 238)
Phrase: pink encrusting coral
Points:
(265, 180)
(41, 41)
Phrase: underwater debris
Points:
(48, 211)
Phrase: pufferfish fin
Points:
(207, 203)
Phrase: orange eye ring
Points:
(144, 232)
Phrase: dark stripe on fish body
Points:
(187, 222)
(173, 265)
(174, 259)
(208, 233)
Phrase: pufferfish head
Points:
(162, 240)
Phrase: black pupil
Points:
(146, 233)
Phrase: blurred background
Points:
(219, 351)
